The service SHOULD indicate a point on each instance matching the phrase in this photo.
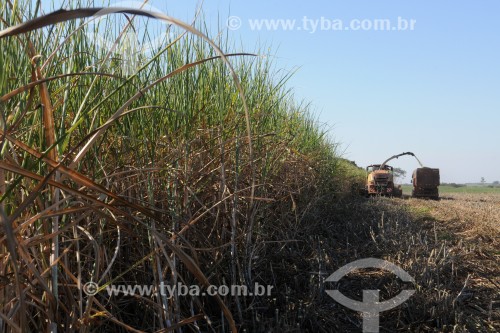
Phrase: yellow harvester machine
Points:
(380, 179)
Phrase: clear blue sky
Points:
(434, 91)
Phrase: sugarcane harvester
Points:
(380, 179)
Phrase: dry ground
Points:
(451, 247)
(469, 226)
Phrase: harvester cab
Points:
(380, 179)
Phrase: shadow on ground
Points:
(449, 294)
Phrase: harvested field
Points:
(477, 213)
(468, 227)
(449, 246)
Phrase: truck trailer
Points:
(425, 183)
